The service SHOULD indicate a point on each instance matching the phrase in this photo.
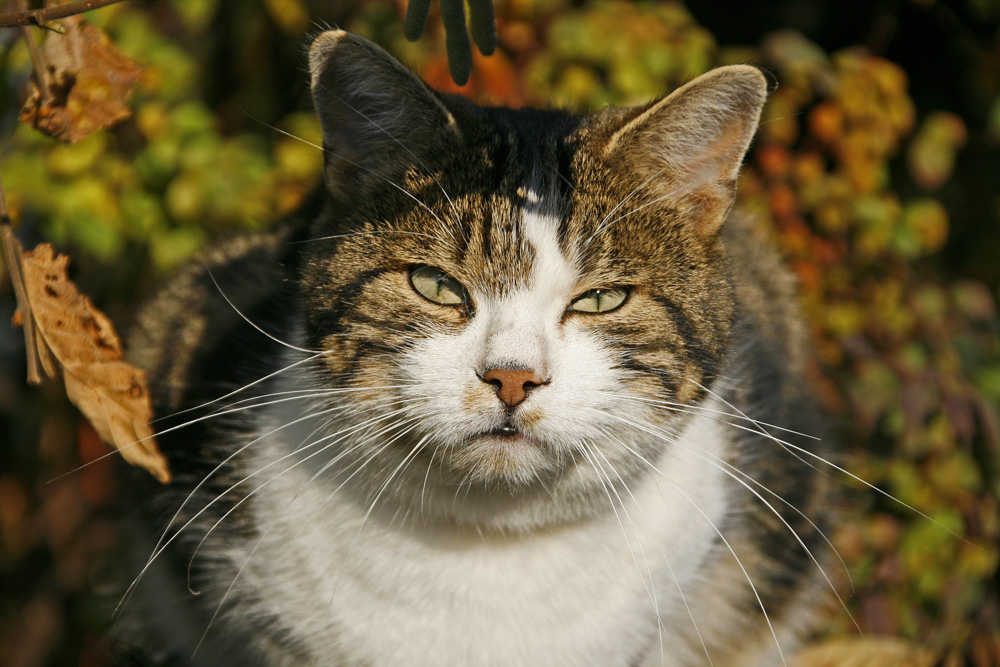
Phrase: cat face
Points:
(521, 300)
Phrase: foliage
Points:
(848, 174)
(168, 179)
(899, 349)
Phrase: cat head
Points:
(515, 296)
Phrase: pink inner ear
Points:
(707, 206)
(718, 161)
(687, 148)
(702, 182)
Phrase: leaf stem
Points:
(41, 74)
(39, 17)
(13, 253)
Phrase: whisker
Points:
(785, 445)
(348, 450)
(244, 387)
(373, 405)
(748, 477)
(162, 545)
(666, 560)
(732, 471)
(312, 392)
(246, 319)
(652, 589)
(746, 574)
(400, 144)
(707, 410)
(606, 483)
(225, 595)
(372, 173)
(722, 537)
(117, 451)
(760, 429)
(371, 507)
(402, 464)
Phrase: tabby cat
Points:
(514, 387)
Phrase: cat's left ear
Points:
(378, 118)
(687, 148)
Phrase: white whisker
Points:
(400, 144)
(162, 545)
(647, 581)
(372, 173)
(666, 560)
(246, 319)
(735, 474)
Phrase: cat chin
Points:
(516, 460)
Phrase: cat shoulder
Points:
(187, 321)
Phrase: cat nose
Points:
(512, 384)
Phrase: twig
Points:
(38, 66)
(41, 72)
(13, 254)
(39, 17)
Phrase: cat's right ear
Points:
(687, 148)
(378, 118)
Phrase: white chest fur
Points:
(584, 594)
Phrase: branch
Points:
(40, 17)
(12, 253)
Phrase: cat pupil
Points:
(437, 286)
(600, 300)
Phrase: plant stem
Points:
(13, 253)
(41, 74)
(39, 17)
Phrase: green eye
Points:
(437, 286)
(600, 300)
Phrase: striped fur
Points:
(373, 501)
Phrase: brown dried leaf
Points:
(868, 652)
(87, 81)
(984, 650)
(77, 342)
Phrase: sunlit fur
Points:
(352, 490)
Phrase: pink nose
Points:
(512, 385)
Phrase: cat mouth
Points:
(507, 429)
(507, 432)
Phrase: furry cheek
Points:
(442, 388)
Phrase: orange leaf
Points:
(77, 342)
(87, 81)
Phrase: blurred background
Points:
(877, 170)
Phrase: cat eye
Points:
(437, 286)
(600, 300)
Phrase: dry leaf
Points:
(866, 652)
(87, 81)
(984, 650)
(931, 154)
(77, 342)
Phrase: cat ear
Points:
(687, 148)
(378, 118)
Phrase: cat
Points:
(513, 387)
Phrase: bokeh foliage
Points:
(852, 179)
(172, 177)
